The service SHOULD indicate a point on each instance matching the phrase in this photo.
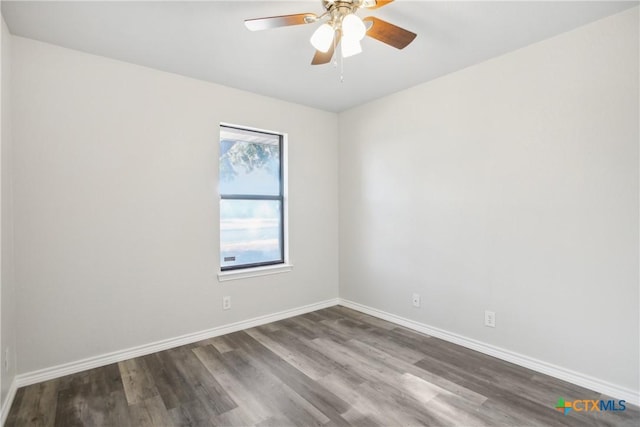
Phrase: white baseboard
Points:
(564, 374)
(118, 356)
(8, 401)
(559, 372)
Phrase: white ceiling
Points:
(207, 40)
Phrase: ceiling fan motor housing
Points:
(353, 4)
(345, 5)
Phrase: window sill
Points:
(223, 276)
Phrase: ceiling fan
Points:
(341, 27)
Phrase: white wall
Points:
(511, 186)
(7, 291)
(116, 211)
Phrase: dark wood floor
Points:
(332, 367)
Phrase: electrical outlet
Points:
(490, 318)
(226, 303)
(416, 300)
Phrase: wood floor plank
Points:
(137, 380)
(363, 318)
(307, 330)
(97, 398)
(319, 356)
(380, 403)
(276, 421)
(150, 412)
(384, 340)
(268, 387)
(220, 344)
(190, 414)
(382, 367)
(296, 359)
(205, 386)
(296, 380)
(170, 384)
(331, 367)
(299, 410)
(239, 392)
(38, 405)
(235, 417)
(17, 411)
(363, 411)
(355, 418)
(311, 330)
(387, 360)
(386, 384)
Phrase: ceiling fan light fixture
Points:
(322, 37)
(353, 27)
(350, 46)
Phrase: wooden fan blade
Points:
(379, 4)
(279, 21)
(325, 57)
(389, 33)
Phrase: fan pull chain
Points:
(335, 60)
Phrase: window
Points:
(251, 199)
